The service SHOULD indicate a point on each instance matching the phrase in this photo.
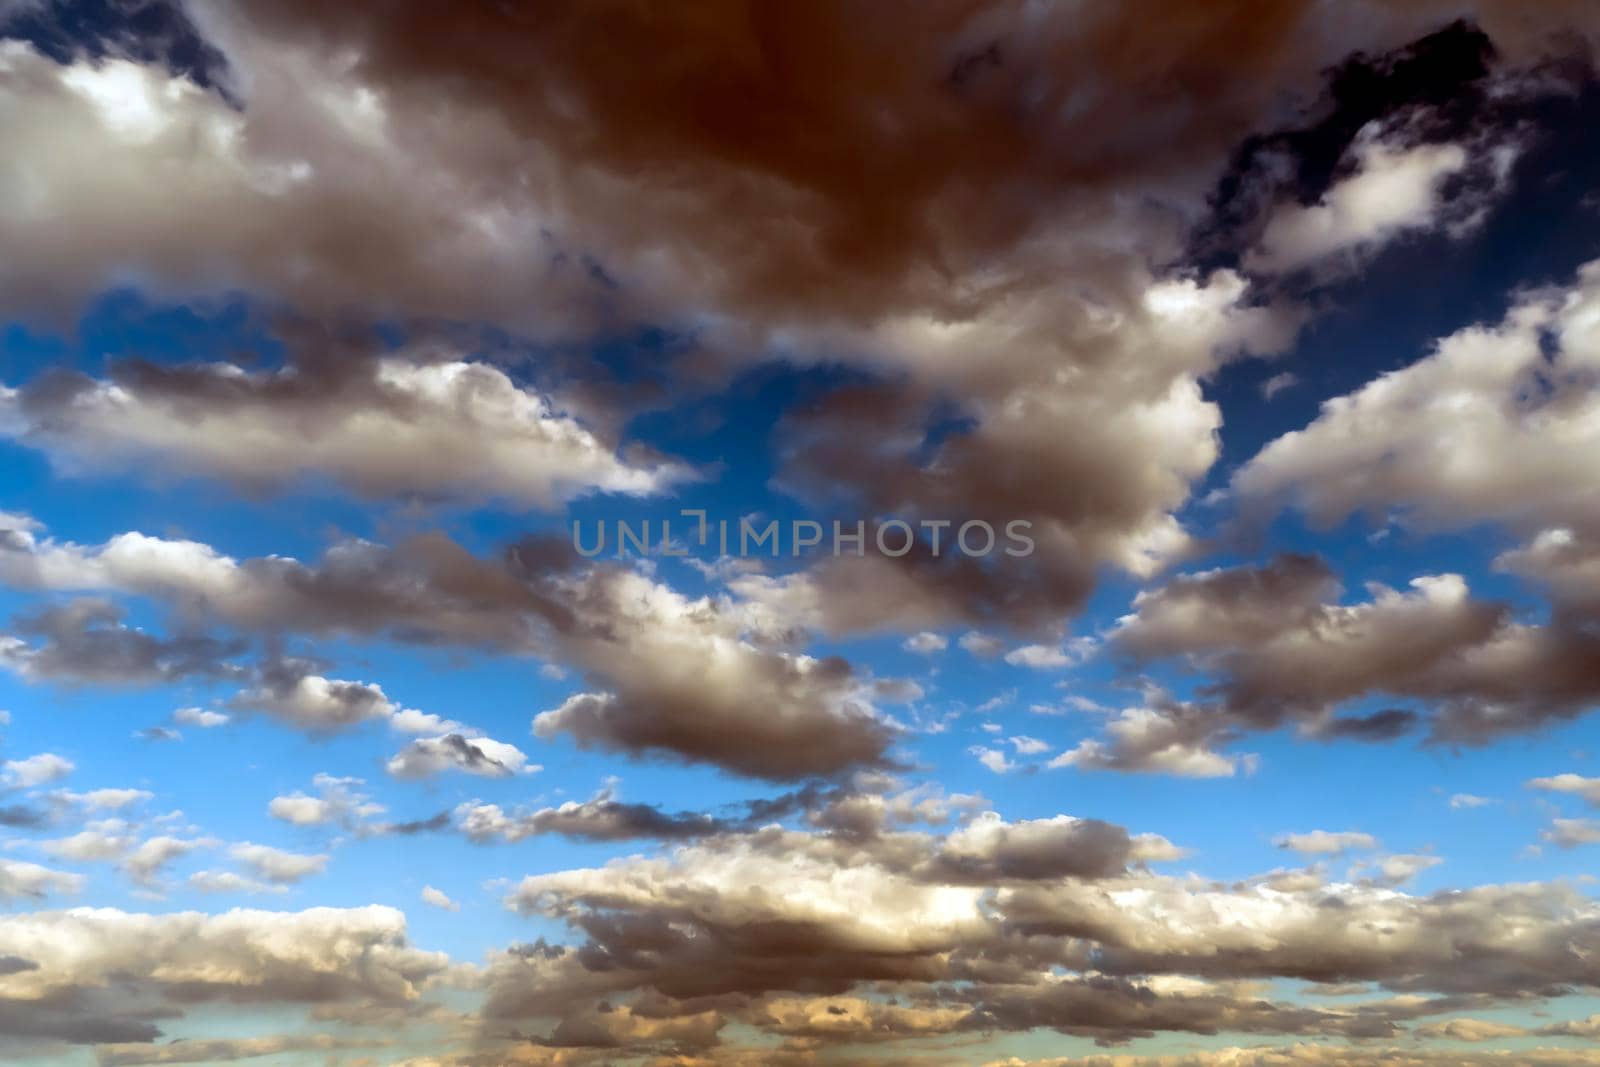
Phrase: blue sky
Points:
(322, 743)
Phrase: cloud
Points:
(115, 840)
(1396, 188)
(484, 756)
(85, 642)
(226, 1050)
(276, 864)
(1574, 784)
(30, 881)
(229, 882)
(926, 643)
(697, 679)
(42, 769)
(686, 680)
(387, 427)
(104, 975)
(312, 702)
(1488, 405)
(199, 717)
(1570, 833)
(103, 799)
(1169, 737)
(994, 759)
(1278, 383)
(978, 920)
(1049, 657)
(438, 899)
(602, 817)
(1280, 649)
(154, 854)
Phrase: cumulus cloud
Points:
(1573, 784)
(438, 899)
(313, 702)
(276, 864)
(103, 975)
(1395, 188)
(1489, 408)
(1277, 647)
(1326, 843)
(926, 643)
(200, 717)
(484, 756)
(84, 641)
(32, 882)
(31, 771)
(976, 919)
(388, 427)
(701, 679)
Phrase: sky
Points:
(1170, 433)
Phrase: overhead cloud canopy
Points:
(905, 534)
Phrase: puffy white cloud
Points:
(315, 703)
(31, 881)
(1395, 188)
(428, 756)
(388, 428)
(1326, 843)
(31, 771)
(200, 717)
(154, 854)
(337, 800)
(1170, 738)
(103, 975)
(210, 881)
(1486, 428)
(104, 799)
(438, 899)
(1570, 833)
(1574, 784)
(276, 864)
(300, 809)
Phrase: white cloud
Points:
(1574, 784)
(402, 428)
(230, 882)
(42, 769)
(199, 717)
(438, 899)
(30, 881)
(104, 799)
(1326, 843)
(276, 864)
(1395, 189)
(994, 759)
(300, 809)
(428, 756)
